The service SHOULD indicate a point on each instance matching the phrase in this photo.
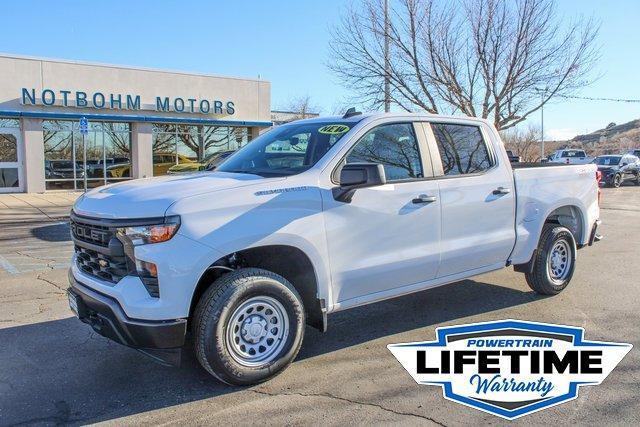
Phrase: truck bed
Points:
(541, 188)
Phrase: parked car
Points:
(62, 169)
(570, 157)
(513, 158)
(208, 163)
(95, 169)
(162, 162)
(616, 169)
(356, 209)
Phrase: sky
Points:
(286, 43)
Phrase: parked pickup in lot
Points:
(311, 218)
(570, 157)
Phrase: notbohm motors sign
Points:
(510, 368)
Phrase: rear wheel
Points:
(554, 261)
(617, 180)
(248, 326)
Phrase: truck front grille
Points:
(91, 233)
(104, 267)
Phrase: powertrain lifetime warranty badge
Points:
(510, 368)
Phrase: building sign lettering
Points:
(99, 100)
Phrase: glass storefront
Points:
(9, 161)
(108, 154)
(184, 148)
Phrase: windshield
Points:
(608, 160)
(286, 150)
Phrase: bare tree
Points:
(496, 59)
(523, 142)
(303, 107)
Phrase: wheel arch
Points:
(570, 215)
(298, 270)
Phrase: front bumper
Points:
(161, 340)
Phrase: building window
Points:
(179, 148)
(9, 123)
(108, 154)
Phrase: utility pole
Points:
(542, 128)
(387, 64)
(543, 94)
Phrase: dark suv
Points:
(619, 168)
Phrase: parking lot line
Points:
(7, 266)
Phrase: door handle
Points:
(423, 198)
(502, 190)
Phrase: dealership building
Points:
(67, 125)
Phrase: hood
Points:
(150, 197)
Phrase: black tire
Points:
(218, 307)
(616, 181)
(542, 280)
(638, 178)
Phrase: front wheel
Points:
(554, 262)
(248, 326)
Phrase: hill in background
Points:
(612, 139)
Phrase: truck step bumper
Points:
(161, 340)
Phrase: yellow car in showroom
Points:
(162, 163)
(208, 163)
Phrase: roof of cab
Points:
(374, 115)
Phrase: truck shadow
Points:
(423, 309)
(60, 372)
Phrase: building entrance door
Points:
(10, 161)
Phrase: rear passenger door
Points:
(476, 196)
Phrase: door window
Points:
(8, 148)
(395, 146)
(462, 149)
(8, 154)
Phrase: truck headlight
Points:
(147, 234)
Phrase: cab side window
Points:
(395, 146)
(462, 149)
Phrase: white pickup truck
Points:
(570, 157)
(314, 217)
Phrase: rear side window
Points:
(462, 149)
(394, 146)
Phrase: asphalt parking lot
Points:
(55, 370)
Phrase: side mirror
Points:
(625, 164)
(358, 175)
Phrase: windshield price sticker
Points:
(510, 368)
(333, 129)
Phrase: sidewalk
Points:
(17, 208)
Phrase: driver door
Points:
(388, 236)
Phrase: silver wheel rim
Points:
(257, 331)
(559, 261)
